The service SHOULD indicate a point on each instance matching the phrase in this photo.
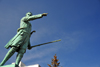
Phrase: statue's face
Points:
(29, 14)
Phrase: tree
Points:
(54, 62)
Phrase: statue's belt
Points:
(20, 29)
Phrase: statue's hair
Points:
(28, 13)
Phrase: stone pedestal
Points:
(21, 65)
(11, 65)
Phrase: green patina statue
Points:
(21, 41)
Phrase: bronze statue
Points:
(21, 41)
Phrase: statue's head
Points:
(28, 14)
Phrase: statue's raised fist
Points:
(44, 14)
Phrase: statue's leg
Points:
(8, 55)
(19, 56)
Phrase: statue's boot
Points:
(16, 65)
(8, 55)
(18, 59)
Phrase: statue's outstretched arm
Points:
(36, 16)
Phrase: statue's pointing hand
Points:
(44, 14)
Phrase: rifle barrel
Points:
(46, 43)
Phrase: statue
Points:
(21, 41)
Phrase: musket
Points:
(46, 43)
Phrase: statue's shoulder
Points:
(24, 19)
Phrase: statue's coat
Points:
(22, 38)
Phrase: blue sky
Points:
(75, 22)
